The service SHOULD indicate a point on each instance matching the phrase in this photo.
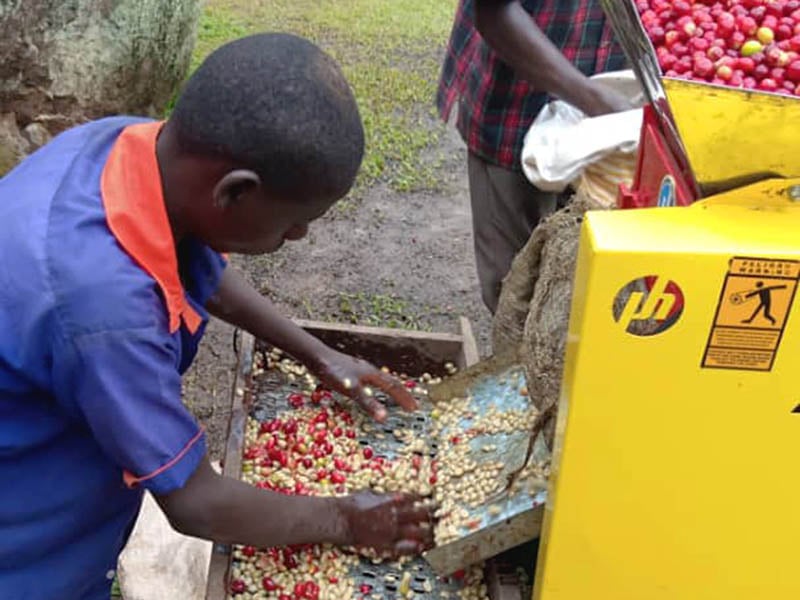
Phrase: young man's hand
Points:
(242, 306)
(359, 379)
(601, 100)
(395, 524)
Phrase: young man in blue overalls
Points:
(111, 238)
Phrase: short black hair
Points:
(279, 105)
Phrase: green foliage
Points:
(390, 51)
(379, 310)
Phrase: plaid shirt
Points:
(496, 108)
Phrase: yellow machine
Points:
(674, 470)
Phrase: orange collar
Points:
(131, 190)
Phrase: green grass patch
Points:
(390, 52)
(216, 27)
(380, 310)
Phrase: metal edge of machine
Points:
(505, 520)
(641, 55)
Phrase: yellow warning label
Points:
(751, 314)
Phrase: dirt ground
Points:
(391, 258)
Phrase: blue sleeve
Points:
(125, 385)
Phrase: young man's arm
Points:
(226, 510)
(512, 33)
(124, 384)
(238, 303)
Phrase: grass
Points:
(385, 310)
(380, 310)
(390, 52)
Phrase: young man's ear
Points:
(233, 186)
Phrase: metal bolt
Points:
(794, 192)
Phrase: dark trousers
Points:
(505, 210)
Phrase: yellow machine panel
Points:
(675, 471)
(732, 134)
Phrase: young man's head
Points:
(265, 137)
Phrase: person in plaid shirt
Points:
(505, 59)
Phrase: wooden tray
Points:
(401, 350)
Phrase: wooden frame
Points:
(232, 459)
(374, 343)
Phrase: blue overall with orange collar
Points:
(100, 314)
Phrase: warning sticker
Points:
(753, 308)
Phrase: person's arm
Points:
(124, 386)
(226, 510)
(239, 304)
(513, 34)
